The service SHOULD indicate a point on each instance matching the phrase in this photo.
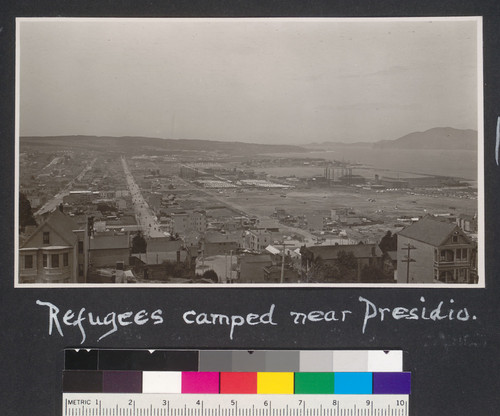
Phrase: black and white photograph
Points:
(216, 152)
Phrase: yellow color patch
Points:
(274, 383)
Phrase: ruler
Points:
(161, 404)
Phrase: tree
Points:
(25, 212)
(105, 208)
(211, 275)
(347, 260)
(177, 270)
(139, 243)
(328, 273)
(389, 242)
(373, 274)
(307, 256)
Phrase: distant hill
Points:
(152, 145)
(439, 138)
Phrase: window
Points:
(80, 270)
(454, 238)
(46, 237)
(44, 260)
(54, 260)
(28, 261)
(80, 247)
(446, 255)
(65, 259)
(446, 276)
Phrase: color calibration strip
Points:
(234, 383)
(211, 382)
(235, 361)
(235, 372)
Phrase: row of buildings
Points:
(59, 250)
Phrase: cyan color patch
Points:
(353, 383)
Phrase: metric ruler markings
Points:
(233, 405)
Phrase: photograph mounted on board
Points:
(270, 151)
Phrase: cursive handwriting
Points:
(112, 320)
(366, 312)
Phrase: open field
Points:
(387, 206)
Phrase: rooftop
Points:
(255, 258)
(222, 238)
(429, 230)
(109, 242)
(358, 250)
(163, 244)
(59, 222)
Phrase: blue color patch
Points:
(353, 383)
(392, 383)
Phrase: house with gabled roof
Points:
(161, 249)
(439, 252)
(107, 249)
(54, 253)
(365, 255)
(215, 243)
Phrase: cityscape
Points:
(127, 211)
(217, 181)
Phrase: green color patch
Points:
(314, 383)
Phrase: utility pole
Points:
(407, 259)
(225, 263)
(283, 264)
(230, 266)
(283, 261)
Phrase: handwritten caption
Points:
(369, 312)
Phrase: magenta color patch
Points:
(200, 382)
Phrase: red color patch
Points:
(238, 383)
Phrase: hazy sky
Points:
(265, 80)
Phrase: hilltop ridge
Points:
(438, 138)
(151, 144)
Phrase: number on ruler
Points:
(151, 405)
